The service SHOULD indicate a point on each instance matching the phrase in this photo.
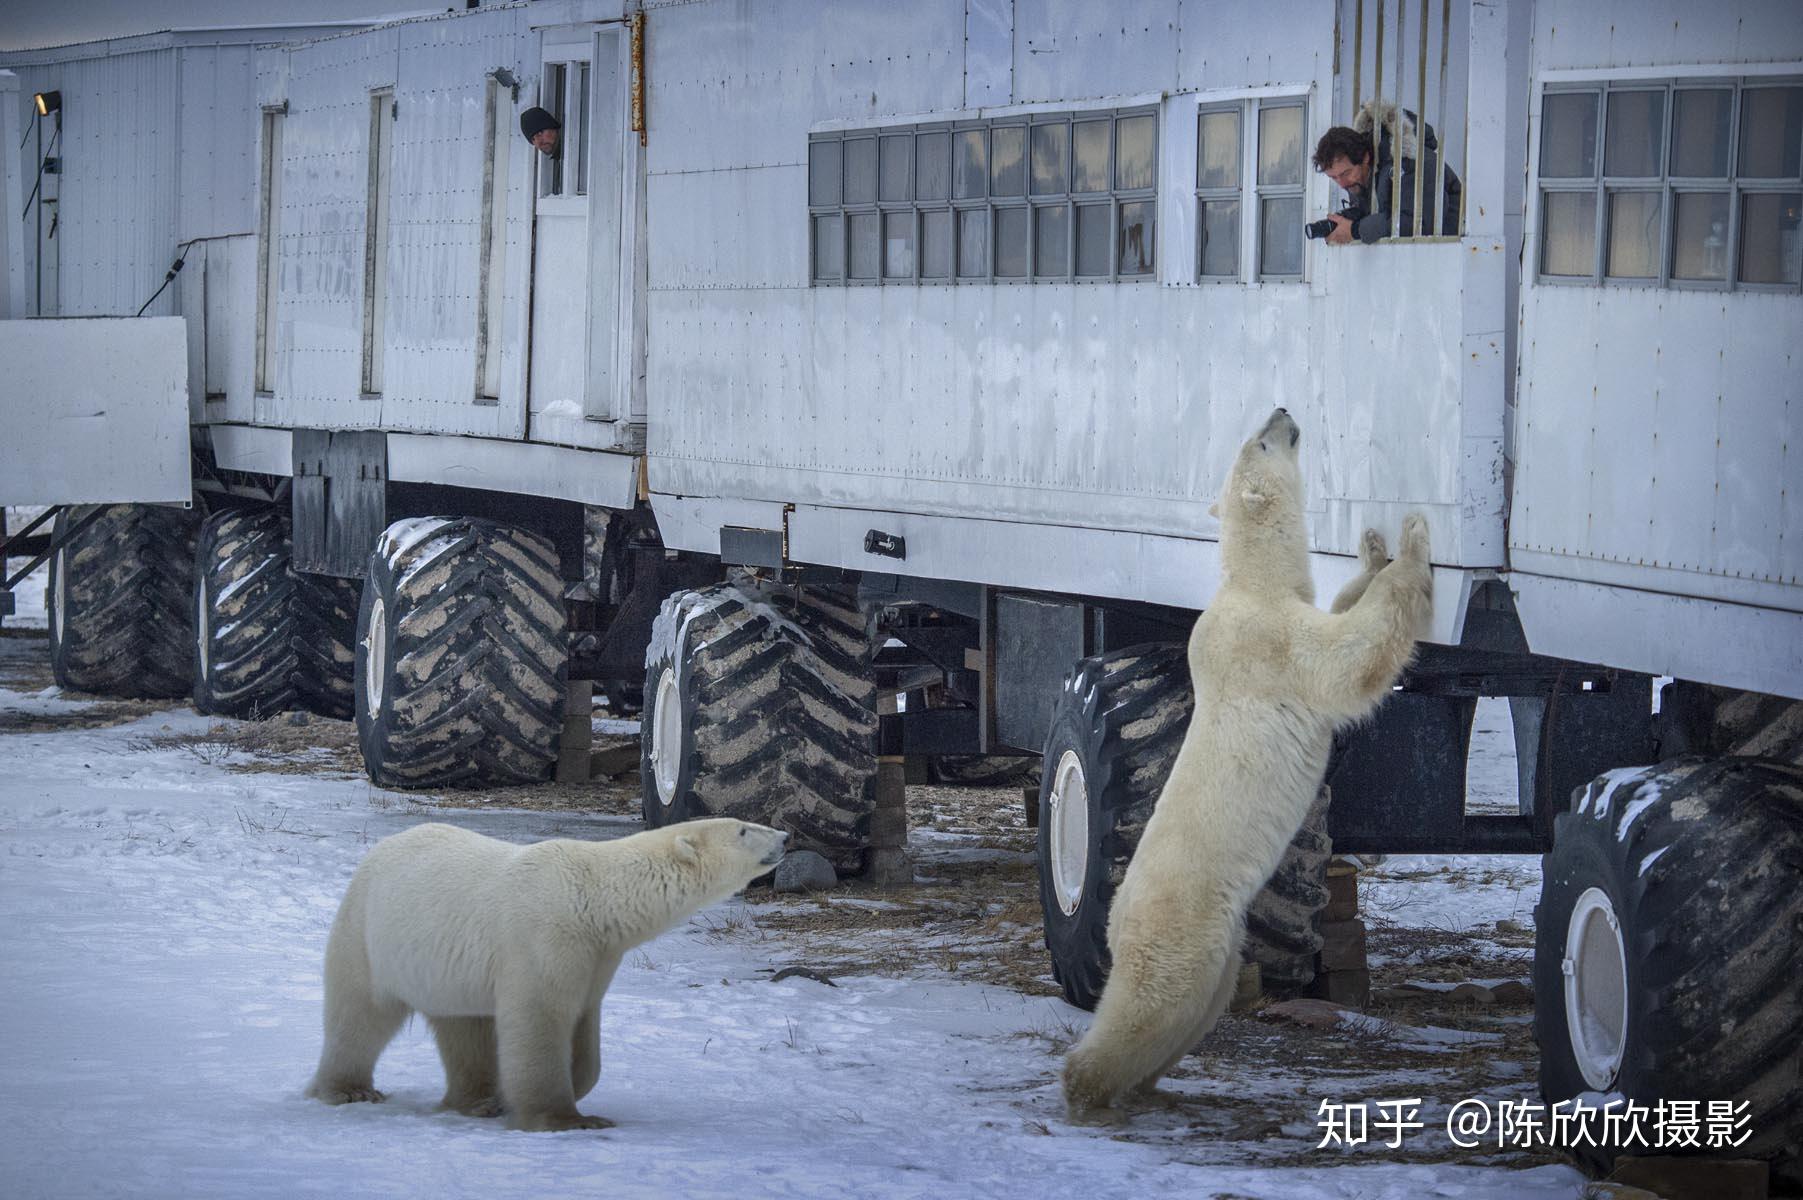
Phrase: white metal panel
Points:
(700, 228)
(95, 411)
(1658, 33)
(116, 194)
(12, 197)
(1654, 440)
(218, 143)
(1078, 50)
(517, 468)
(325, 181)
(862, 59)
(1284, 41)
(988, 53)
(1729, 645)
(253, 448)
(1179, 571)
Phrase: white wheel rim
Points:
(1068, 823)
(666, 737)
(375, 655)
(202, 627)
(61, 570)
(1595, 968)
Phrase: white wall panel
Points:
(1255, 44)
(1077, 49)
(1572, 34)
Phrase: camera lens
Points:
(1318, 229)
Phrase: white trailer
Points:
(866, 372)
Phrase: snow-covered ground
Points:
(162, 924)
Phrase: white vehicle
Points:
(873, 351)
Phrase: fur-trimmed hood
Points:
(1402, 132)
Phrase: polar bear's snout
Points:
(1281, 427)
(776, 838)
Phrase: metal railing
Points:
(1389, 24)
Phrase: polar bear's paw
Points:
(558, 1122)
(1414, 537)
(481, 1106)
(1373, 552)
(349, 1094)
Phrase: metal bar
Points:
(1480, 834)
(1421, 126)
(1377, 93)
(8, 539)
(1358, 53)
(1440, 160)
(68, 536)
(1396, 128)
(638, 75)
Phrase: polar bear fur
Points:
(506, 950)
(1274, 677)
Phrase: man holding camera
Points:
(1345, 156)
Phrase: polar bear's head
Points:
(1264, 542)
(728, 850)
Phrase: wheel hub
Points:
(666, 737)
(1595, 967)
(375, 645)
(1067, 820)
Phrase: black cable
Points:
(174, 269)
(37, 187)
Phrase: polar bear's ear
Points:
(686, 849)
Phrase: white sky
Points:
(28, 24)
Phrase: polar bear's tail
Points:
(1159, 1002)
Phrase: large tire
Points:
(121, 602)
(243, 615)
(763, 707)
(462, 654)
(1668, 936)
(1115, 732)
(325, 643)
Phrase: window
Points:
(1051, 197)
(375, 238)
(269, 256)
(1688, 184)
(1271, 181)
(498, 134)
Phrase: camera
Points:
(1318, 229)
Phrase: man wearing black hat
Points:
(542, 130)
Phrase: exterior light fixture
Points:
(48, 102)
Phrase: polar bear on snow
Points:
(506, 950)
(1274, 677)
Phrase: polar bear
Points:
(1274, 677)
(506, 950)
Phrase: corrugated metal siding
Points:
(117, 193)
(1110, 406)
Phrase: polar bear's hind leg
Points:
(466, 1046)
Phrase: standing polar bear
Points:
(1274, 677)
(506, 950)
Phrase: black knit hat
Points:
(535, 121)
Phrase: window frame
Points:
(1247, 191)
(1667, 185)
(985, 206)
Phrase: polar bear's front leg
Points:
(1373, 556)
(585, 1054)
(1345, 663)
(466, 1045)
(536, 1040)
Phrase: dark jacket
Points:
(1369, 207)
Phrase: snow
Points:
(163, 921)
